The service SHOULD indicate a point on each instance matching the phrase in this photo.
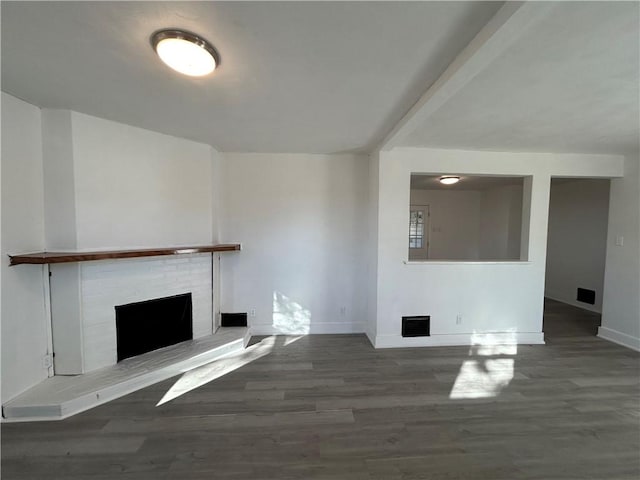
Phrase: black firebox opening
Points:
(145, 326)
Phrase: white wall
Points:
(491, 297)
(59, 181)
(24, 341)
(302, 221)
(500, 223)
(621, 303)
(453, 223)
(514, 233)
(136, 188)
(576, 247)
(216, 192)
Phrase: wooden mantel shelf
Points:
(42, 258)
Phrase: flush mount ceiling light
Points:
(185, 52)
(449, 179)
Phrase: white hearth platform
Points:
(61, 396)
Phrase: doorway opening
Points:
(576, 254)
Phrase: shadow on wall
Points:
(490, 368)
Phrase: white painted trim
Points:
(574, 303)
(620, 338)
(314, 329)
(459, 339)
(371, 337)
(46, 288)
(218, 291)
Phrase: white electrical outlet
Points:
(47, 361)
(619, 241)
(252, 312)
(459, 319)
(343, 311)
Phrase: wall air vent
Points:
(233, 319)
(586, 296)
(416, 326)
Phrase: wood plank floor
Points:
(332, 407)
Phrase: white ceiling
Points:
(324, 77)
(569, 83)
(315, 77)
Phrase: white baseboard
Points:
(573, 303)
(460, 339)
(620, 338)
(313, 329)
(371, 336)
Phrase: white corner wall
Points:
(216, 194)
(137, 188)
(621, 302)
(371, 249)
(216, 211)
(576, 247)
(24, 342)
(59, 181)
(302, 222)
(502, 297)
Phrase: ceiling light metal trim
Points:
(176, 33)
(449, 179)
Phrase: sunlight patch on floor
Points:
(490, 368)
(197, 377)
(289, 339)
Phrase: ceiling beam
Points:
(504, 28)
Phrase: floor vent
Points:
(233, 319)
(586, 296)
(416, 326)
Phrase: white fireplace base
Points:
(59, 397)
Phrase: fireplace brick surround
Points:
(83, 297)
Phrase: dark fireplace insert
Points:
(142, 327)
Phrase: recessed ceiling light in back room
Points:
(185, 52)
(449, 179)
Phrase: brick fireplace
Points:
(84, 297)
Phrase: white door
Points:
(419, 232)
